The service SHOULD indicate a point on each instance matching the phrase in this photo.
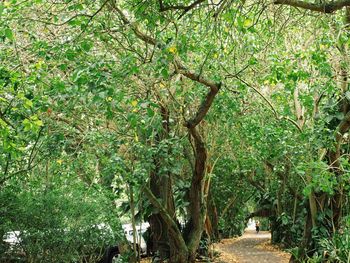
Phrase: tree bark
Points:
(321, 6)
(161, 187)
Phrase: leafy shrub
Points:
(337, 249)
(66, 223)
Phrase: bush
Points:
(337, 249)
(65, 223)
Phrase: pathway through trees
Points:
(250, 248)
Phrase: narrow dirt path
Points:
(251, 248)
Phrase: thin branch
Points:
(278, 117)
(3, 180)
(261, 95)
(7, 164)
(180, 68)
(178, 64)
(230, 202)
(59, 118)
(222, 6)
(71, 18)
(30, 160)
(2, 117)
(145, 38)
(57, 24)
(185, 8)
(91, 18)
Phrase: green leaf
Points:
(27, 125)
(247, 23)
(59, 85)
(38, 123)
(70, 54)
(9, 34)
(164, 72)
(86, 46)
(63, 66)
(1, 9)
(28, 104)
(3, 124)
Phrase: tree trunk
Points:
(133, 223)
(212, 216)
(343, 127)
(161, 187)
(198, 206)
(306, 243)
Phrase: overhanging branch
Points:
(323, 7)
(144, 37)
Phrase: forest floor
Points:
(250, 248)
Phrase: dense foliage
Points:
(192, 115)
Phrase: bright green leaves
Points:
(32, 124)
(140, 114)
(66, 216)
(287, 71)
(162, 67)
(247, 23)
(244, 24)
(9, 34)
(76, 7)
(321, 62)
(78, 52)
(319, 178)
(285, 219)
(6, 33)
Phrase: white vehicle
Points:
(12, 238)
(140, 241)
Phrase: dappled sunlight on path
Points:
(250, 249)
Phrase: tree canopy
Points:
(193, 115)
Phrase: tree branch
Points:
(178, 64)
(2, 117)
(343, 127)
(263, 212)
(326, 7)
(180, 68)
(71, 18)
(62, 119)
(185, 8)
(230, 202)
(203, 109)
(31, 158)
(145, 38)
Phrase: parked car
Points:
(140, 241)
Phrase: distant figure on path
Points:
(257, 226)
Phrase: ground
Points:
(250, 248)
